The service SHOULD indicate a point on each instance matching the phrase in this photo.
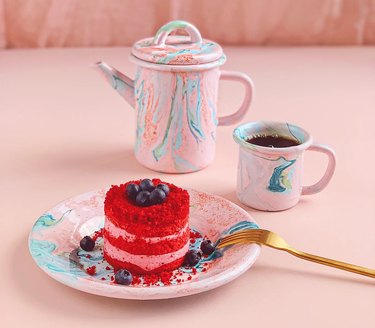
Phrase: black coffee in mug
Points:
(272, 141)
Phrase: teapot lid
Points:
(177, 49)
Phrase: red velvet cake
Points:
(146, 230)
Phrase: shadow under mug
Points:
(269, 179)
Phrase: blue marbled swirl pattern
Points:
(279, 182)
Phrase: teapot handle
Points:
(162, 34)
(249, 90)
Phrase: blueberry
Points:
(132, 190)
(87, 243)
(207, 247)
(192, 258)
(123, 277)
(147, 184)
(163, 187)
(157, 196)
(143, 198)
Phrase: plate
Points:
(55, 236)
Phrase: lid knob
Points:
(162, 34)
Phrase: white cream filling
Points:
(119, 232)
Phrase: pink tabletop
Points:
(64, 131)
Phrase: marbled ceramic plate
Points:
(56, 234)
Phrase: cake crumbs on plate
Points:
(91, 270)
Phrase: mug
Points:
(269, 178)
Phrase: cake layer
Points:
(151, 221)
(136, 269)
(145, 245)
(145, 262)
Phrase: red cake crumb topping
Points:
(153, 279)
(91, 270)
(165, 277)
(97, 234)
(195, 234)
(162, 219)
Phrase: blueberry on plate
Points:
(192, 258)
(87, 243)
(207, 247)
(132, 190)
(123, 277)
(163, 187)
(157, 196)
(143, 198)
(147, 185)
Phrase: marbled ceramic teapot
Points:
(175, 93)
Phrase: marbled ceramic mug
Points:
(269, 179)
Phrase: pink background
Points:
(64, 131)
(56, 23)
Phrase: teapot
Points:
(175, 93)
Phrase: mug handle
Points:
(249, 89)
(322, 183)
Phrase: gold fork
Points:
(271, 239)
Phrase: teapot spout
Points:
(121, 83)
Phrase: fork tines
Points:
(248, 234)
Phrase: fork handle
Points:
(332, 263)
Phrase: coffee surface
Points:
(272, 141)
